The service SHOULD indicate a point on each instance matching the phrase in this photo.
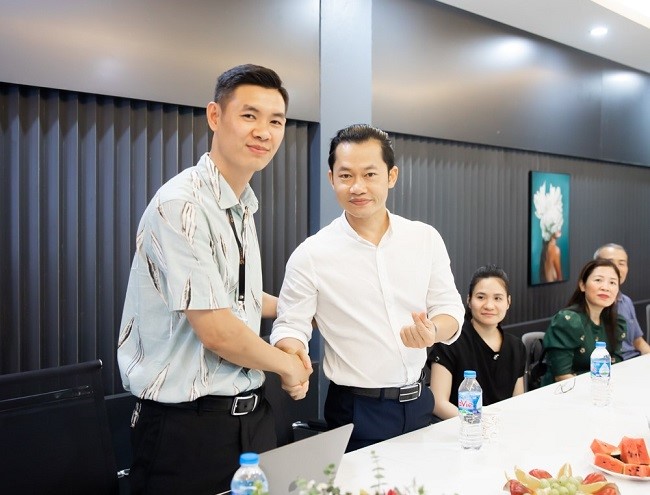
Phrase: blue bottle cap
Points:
(469, 374)
(249, 458)
(601, 344)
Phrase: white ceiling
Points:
(569, 22)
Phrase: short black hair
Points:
(240, 75)
(360, 133)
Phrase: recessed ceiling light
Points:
(599, 31)
(635, 10)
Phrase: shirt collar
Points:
(347, 228)
(223, 193)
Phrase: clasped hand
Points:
(296, 384)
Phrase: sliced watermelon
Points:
(634, 451)
(600, 447)
(609, 463)
(635, 470)
(643, 451)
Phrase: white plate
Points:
(619, 475)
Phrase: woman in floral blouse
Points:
(590, 317)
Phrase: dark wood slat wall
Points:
(477, 197)
(76, 172)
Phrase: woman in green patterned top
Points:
(590, 316)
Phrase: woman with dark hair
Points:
(497, 357)
(590, 316)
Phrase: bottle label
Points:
(600, 368)
(469, 403)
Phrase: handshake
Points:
(295, 379)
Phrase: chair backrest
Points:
(54, 432)
(534, 350)
(287, 411)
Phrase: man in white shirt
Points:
(380, 289)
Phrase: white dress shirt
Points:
(361, 296)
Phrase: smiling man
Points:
(380, 289)
(189, 345)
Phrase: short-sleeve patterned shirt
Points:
(187, 258)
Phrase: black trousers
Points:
(376, 420)
(194, 452)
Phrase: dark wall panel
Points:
(76, 172)
(477, 198)
(458, 76)
(160, 50)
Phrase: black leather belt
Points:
(403, 394)
(238, 405)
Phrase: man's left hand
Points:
(421, 334)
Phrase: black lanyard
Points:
(242, 260)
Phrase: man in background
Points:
(634, 343)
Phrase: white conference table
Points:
(540, 429)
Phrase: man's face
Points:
(618, 257)
(361, 180)
(248, 129)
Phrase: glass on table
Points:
(490, 418)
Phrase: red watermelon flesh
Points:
(635, 470)
(634, 451)
(609, 463)
(643, 451)
(600, 447)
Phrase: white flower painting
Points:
(549, 228)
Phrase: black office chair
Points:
(54, 433)
(287, 411)
(533, 341)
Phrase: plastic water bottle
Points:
(249, 476)
(470, 404)
(601, 366)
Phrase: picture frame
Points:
(549, 233)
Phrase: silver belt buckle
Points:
(235, 405)
(410, 392)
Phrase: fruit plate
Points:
(634, 446)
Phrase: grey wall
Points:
(345, 98)
(160, 50)
(436, 71)
(454, 75)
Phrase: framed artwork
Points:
(549, 240)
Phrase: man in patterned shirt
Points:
(189, 345)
